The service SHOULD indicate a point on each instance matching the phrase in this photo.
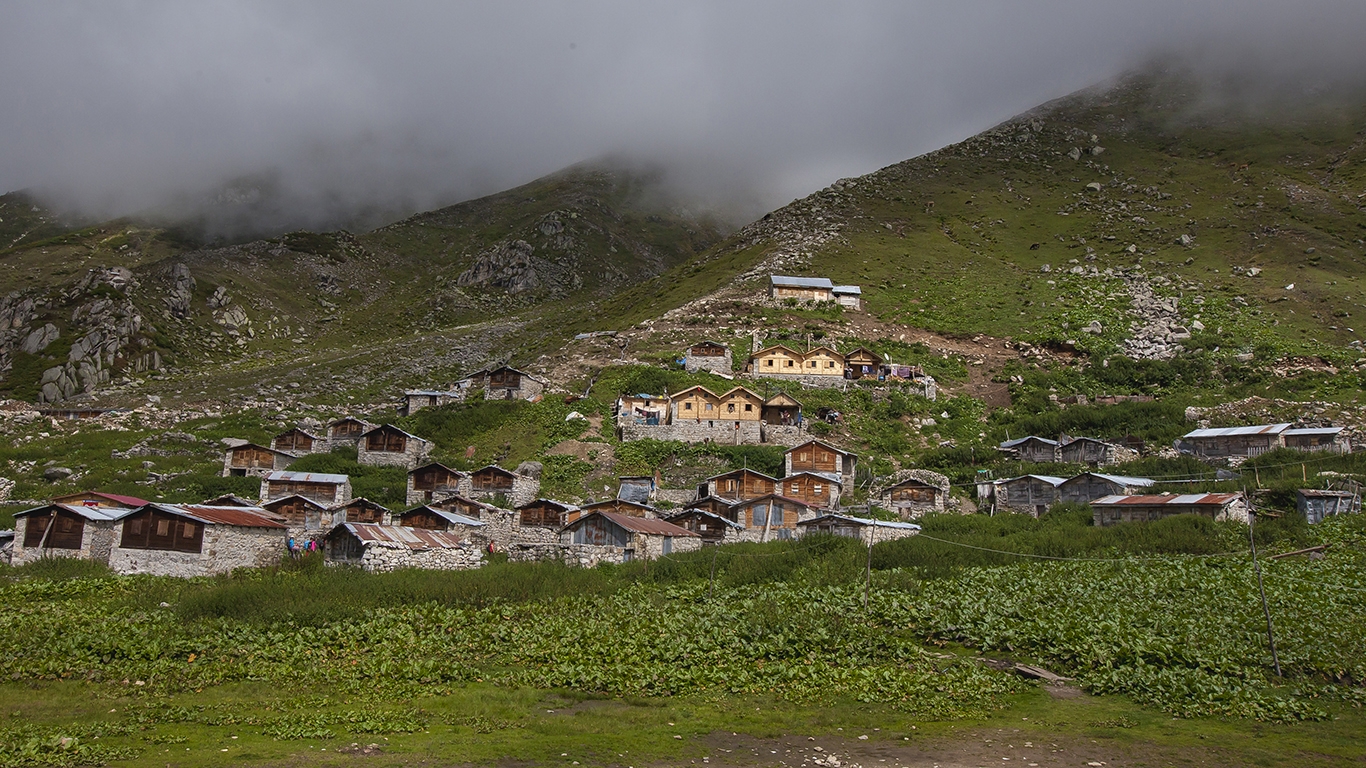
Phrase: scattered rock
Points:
(1094, 186)
(53, 474)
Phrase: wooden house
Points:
(1039, 450)
(770, 517)
(696, 403)
(738, 484)
(1131, 509)
(297, 441)
(299, 513)
(544, 513)
(862, 362)
(99, 499)
(912, 493)
(823, 361)
(430, 482)
(85, 532)
(1328, 439)
(782, 409)
(1225, 442)
(711, 527)
(820, 457)
(196, 540)
(430, 518)
(818, 491)
(360, 511)
(800, 288)
(252, 460)
(1094, 453)
(507, 383)
(868, 530)
(850, 296)
(346, 431)
(389, 446)
(614, 506)
(777, 360)
(503, 486)
(740, 404)
(380, 548)
(1316, 506)
(466, 506)
(325, 488)
(651, 410)
(1089, 486)
(708, 355)
(1027, 494)
(636, 538)
(714, 505)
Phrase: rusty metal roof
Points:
(395, 536)
(244, 517)
(646, 525)
(1185, 499)
(123, 501)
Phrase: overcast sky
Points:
(118, 106)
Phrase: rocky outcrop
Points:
(177, 299)
(507, 265)
(40, 339)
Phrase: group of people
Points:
(297, 549)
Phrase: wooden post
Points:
(1270, 631)
(1304, 474)
(712, 589)
(868, 570)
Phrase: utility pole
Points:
(1252, 542)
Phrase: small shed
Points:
(380, 548)
(297, 442)
(816, 490)
(1089, 486)
(863, 362)
(360, 511)
(433, 481)
(1225, 442)
(1327, 439)
(1039, 450)
(1132, 509)
(252, 460)
(847, 295)
(867, 530)
(346, 431)
(300, 513)
(415, 400)
(714, 505)
(508, 383)
(771, 517)
(637, 538)
(783, 409)
(544, 513)
(912, 493)
(640, 489)
(430, 518)
(738, 484)
(1317, 505)
(652, 410)
(65, 530)
(820, 456)
(1094, 453)
(1028, 494)
(616, 507)
(711, 527)
(708, 355)
(196, 540)
(800, 288)
(325, 488)
(389, 446)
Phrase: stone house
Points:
(325, 488)
(346, 431)
(1089, 486)
(1317, 505)
(196, 540)
(1226, 442)
(867, 530)
(389, 446)
(299, 513)
(848, 296)
(433, 481)
(430, 518)
(738, 484)
(1131, 509)
(544, 513)
(65, 530)
(1039, 450)
(1027, 494)
(504, 487)
(800, 288)
(99, 499)
(507, 383)
(297, 442)
(820, 457)
(417, 399)
(770, 517)
(1094, 453)
(708, 355)
(616, 507)
(711, 527)
(252, 460)
(818, 491)
(913, 493)
(381, 548)
(637, 538)
(1328, 439)
(360, 511)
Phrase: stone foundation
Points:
(225, 548)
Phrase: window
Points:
(709, 406)
(668, 547)
(687, 406)
(795, 489)
(730, 408)
(163, 527)
(768, 363)
(817, 489)
(789, 363)
(812, 364)
(749, 407)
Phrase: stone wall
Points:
(651, 546)
(582, 555)
(97, 539)
(807, 380)
(721, 364)
(225, 548)
(785, 434)
(411, 458)
(721, 432)
(380, 557)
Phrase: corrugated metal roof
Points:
(402, 536)
(848, 290)
(562, 505)
(268, 504)
(451, 517)
(124, 501)
(1314, 431)
(307, 477)
(787, 281)
(1260, 429)
(706, 514)
(1053, 481)
(821, 443)
(746, 470)
(862, 521)
(392, 428)
(640, 524)
(768, 496)
(1119, 479)
(245, 517)
(1213, 499)
(827, 476)
(89, 513)
(1022, 440)
(430, 393)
